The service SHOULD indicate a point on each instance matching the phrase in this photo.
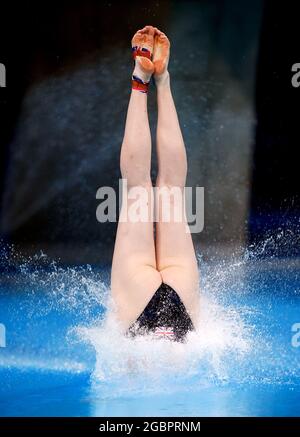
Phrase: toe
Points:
(138, 39)
(145, 29)
(163, 39)
(150, 30)
(156, 38)
(157, 31)
(136, 36)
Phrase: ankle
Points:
(142, 73)
(138, 72)
(162, 80)
(138, 85)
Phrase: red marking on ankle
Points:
(139, 51)
(143, 87)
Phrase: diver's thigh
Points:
(133, 285)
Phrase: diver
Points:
(154, 278)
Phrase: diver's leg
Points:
(134, 277)
(175, 253)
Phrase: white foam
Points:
(146, 364)
(227, 346)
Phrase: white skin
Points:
(140, 263)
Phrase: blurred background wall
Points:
(63, 114)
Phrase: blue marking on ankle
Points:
(138, 79)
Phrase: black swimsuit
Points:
(164, 316)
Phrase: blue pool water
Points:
(62, 357)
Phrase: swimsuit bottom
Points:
(165, 316)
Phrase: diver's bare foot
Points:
(142, 49)
(161, 54)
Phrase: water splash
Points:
(146, 365)
(234, 342)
